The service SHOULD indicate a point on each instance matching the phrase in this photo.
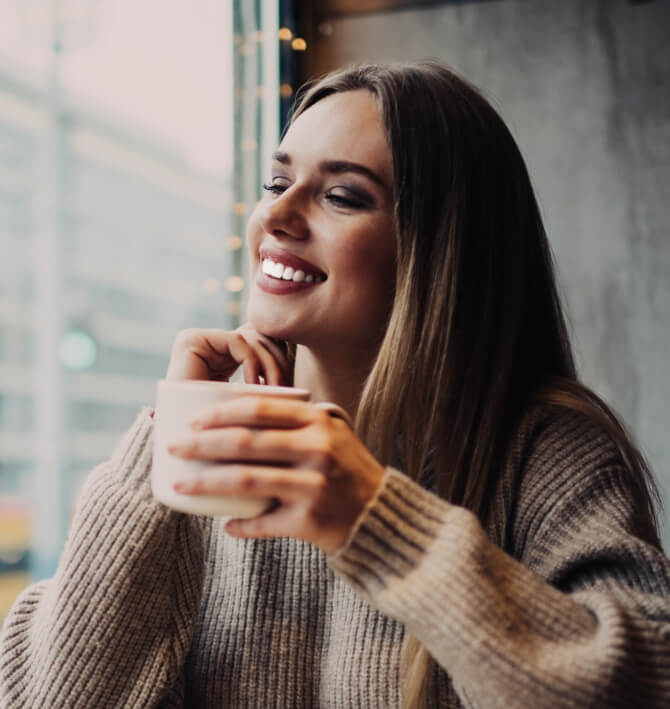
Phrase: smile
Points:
(276, 269)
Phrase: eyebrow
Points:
(335, 167)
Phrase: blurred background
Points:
(132, 138)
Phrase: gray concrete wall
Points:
(585, 88)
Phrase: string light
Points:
(234, 284)
(234, 242)
(285, 90)
(285, 33)
(212, 285)
(257, 36)
(325, 29)
(248, 145)
(240, 209)
(78, 350)
(246, 50)
(233, 307)
(299, 44)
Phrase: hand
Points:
(314, 466)
(216, 355)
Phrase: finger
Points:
(250, 371)
(243, 353)
(239, 444)
(282, 521)
(278, 351)
(205, 353)
(279, 361)
(270, 370)
(274, 372)
(259, 411)
(188, 357)
(223, 351)
(249, 480)
(257, 360)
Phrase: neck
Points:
(336, 376)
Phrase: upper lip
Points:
(288, 259)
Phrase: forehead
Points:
(342, 126)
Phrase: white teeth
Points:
(288, 273)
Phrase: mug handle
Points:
(335, 410)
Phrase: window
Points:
(125, 181)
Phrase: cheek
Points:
(370, 242)
(372, 261)
(370, 281)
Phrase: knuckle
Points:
(326, 446)
(246, 481)
(211, 417)
(259, 407)
(238, 339)
(320, 487)
(310, 441)
(190, 448)
(322, 460)
(245, 440)
(322, 418)
(186, 336)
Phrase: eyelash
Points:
(334, 199)
(275, 189)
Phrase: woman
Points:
(400, 270)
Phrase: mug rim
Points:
(240, 387)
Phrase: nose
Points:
(284, 215)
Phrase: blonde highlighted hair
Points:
(476, 330)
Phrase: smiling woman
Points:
(482, 535)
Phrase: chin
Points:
(271, 326)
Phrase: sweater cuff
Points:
(392, 535)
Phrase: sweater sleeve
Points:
(577, 615)
(114, 624)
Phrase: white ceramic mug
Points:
(177, 403)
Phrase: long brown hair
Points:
(476, 331)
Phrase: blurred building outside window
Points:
(130, 144)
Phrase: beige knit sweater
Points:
(151, 608)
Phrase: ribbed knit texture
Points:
(557, 604)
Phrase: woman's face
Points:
(321, 240)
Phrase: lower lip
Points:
(279, 287)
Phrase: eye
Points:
(348, 199)
(276, 187)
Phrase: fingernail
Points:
(196, 424)
(181, 485)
